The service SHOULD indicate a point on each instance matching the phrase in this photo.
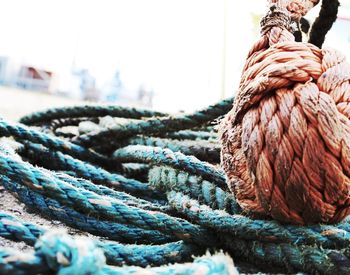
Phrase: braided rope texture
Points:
(148, 189)
(286, 141)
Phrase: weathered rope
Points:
(167, 179)
(161, 194)
(69, 256)
(286, 142)
(158, 125)
(21, 133)
(192, 135)
(99, 206)
(291, 258)
(55, 160)
(50, 208)
(203, 150)
(116, 253)
(324, 22)
(86, 111)
(156, 155)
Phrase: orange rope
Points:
(286, 141)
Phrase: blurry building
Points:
(32, 78)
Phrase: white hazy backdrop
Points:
(190, 52)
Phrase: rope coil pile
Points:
(149, 189)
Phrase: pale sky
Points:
(175, 47)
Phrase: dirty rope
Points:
(149, 189)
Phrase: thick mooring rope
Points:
(149, 189)
(286, 142)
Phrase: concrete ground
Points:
(15, 103)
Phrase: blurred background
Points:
(169, 55)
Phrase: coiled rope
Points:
(148, 188)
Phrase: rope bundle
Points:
(148, 188)
(286, 142)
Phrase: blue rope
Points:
(180, 207)
(159, 156)
(53, 209)
(59, 161)
(67, 256)
(116, 253)
(22, 133)
(168, 179)
(42, 182)
(246, 228)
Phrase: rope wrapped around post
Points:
(286, 141)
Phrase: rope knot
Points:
(286, 141)
(276, 17)
(66, 255)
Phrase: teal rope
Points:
(43, 261)
(306, 258)
(192, 135)
(86, 111)
(168, 179)
(17, 263)
(125, 233)
(197, 213)
(55, 252)
(177, 160)
(105, 191)
(23, 133)
(291, 258)
(116, 254)
(14, 229)
(208, 265)
(246, 228)
(158, 125)
(203, 150)
(91, 203)
(53, 125)
(41, 155)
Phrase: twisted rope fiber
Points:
(87, 111)
(91, 203)
(53, 125)
(116, 254)
(291, 258)
(23, 133)
(105, 191)
(286, 141)
(288, 256)
(267, 231)
(192, 135)
(157, 125)
(42, 262)
(159, 156)
(50, 208)
(268, 253)
(59, 207)
(203, 150)
(196, 191)
(268, 248)
(56, 160)
(167, 179)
